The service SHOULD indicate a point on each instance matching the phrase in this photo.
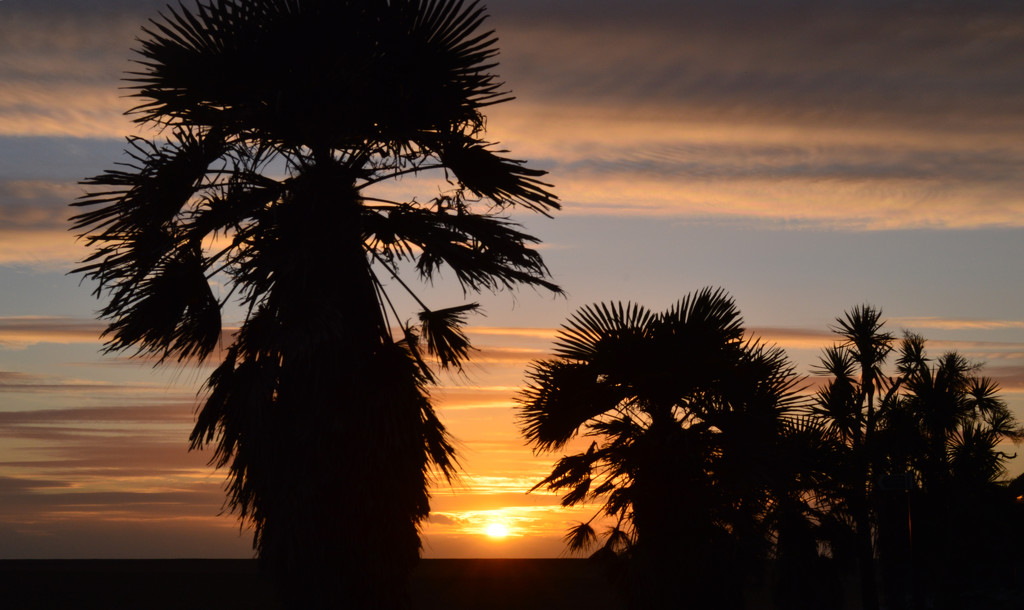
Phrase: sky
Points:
(806, 156)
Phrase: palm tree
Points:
(961, 417)
(284, 126)
(849, 406)
(934, 424)
(947, 424)
(677, 404)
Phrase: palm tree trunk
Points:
(344, 532)
(866, 555)
(861, 509)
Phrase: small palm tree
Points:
(281, 123)
(678, 403)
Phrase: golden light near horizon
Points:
(496, 530)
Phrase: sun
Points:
(496, 530)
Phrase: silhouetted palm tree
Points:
(849, 406)
(679, 405)
(285, 124)
(947, 426)
(936, 425)
(961, 417)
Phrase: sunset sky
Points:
(807, 156)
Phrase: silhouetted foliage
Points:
(849, 407)
(280, 120)
(942, 434)
(711, 466)
(917, 469)
(689, 420)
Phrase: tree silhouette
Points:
(943, 431)
(917, 450)
(849, 406)
(685, 415)
(284, 126)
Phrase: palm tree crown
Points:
(686, 415)
(282, 121)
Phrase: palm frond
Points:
(861, 328)
(446, 340)
(912, 356)
(839, 362)
(150, 263)
(559, 398)
(983, 396)
(245, 64)
(580, 537)
(617, 540)
(485, 173)
(484, 252)
(973, 455)
(570, 471)
(592, 327)
(709, 311)
(170, 312)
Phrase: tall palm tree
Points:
(849, 406)
(677, 403)
(283, 127)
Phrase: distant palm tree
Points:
(285, 125)
(679, 404)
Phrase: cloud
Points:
(444, 519)
(159, 413)
(810, 61)
(34, 221)
(534, 333)
(455, 398)
(1010, 378)
(62, 67)
(22, 331)
(957, 324)
(18, 485)
(793, 338)
(38, 181)
(855, 115)
(507, 355)
(804, 175)
(91, 464)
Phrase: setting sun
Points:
(496, 530)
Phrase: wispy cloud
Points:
(858, 116)
(772, 112)
(957, 323)
(22, 331)
(814, 62)
(533, 333)
(791, 338)
(62, 66)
